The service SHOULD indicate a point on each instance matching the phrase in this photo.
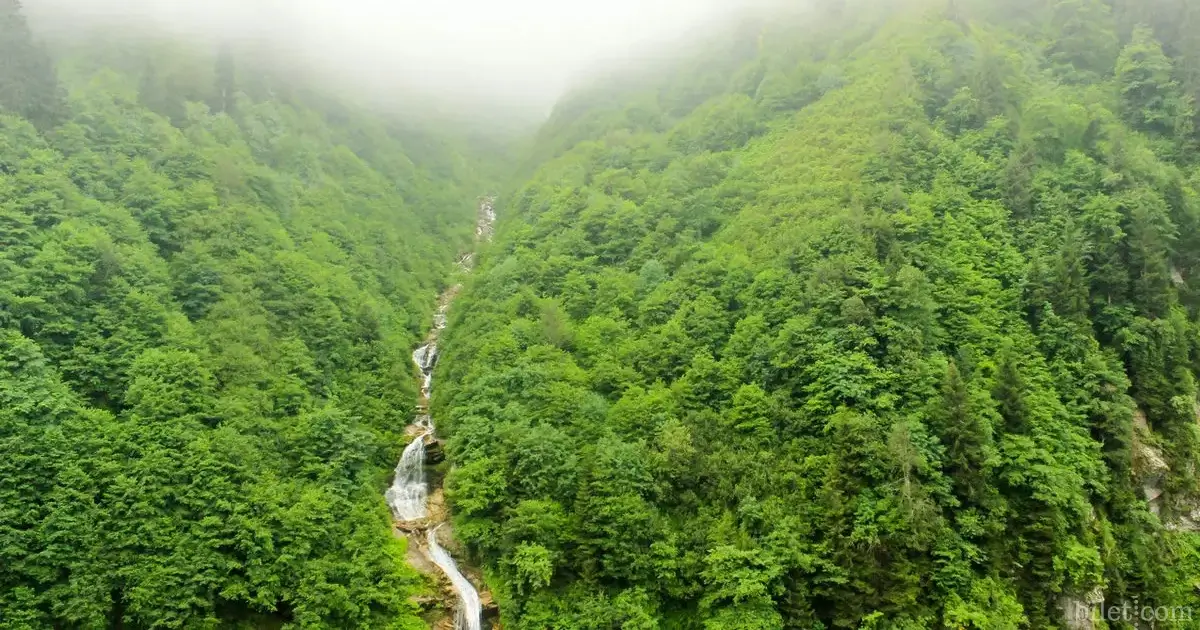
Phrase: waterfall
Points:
(483, 229)
(470, 611)
(425, 357)
(408, 492)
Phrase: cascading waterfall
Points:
(470, 611)
(425, 357)
(409, 493)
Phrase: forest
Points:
(883, 318)
(880, 316)
(211, 278)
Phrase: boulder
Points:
(425, 602)
(438, 513)
(1079, 610)
(434, 451)
(1149, 465)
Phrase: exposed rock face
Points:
(1150, 469)
(437, 509)
(434, 451)
(1149, 466)
(439, 609)
(1189, 522)
(491, 611)
(1080, 611)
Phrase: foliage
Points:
(205, 321)
(855, 340)
(28, 86)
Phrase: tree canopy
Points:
(885, 317)
(882, 320)
(209, 290)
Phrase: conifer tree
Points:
(28, 85)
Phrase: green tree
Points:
(1152, 99)
(966, 433)
(1085, 37)
(28, 84)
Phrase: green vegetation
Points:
(885, 317)
(847, 325)
(210, 284)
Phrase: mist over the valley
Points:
(468, 55)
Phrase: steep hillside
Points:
(210, 285)
(883, 322)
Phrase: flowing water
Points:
(409, 493)
(469, 615)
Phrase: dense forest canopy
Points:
(210, 283)
(882, 318)
(883, 314)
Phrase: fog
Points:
(501, 53)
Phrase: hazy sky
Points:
(510, 50)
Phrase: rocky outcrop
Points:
(435, 451)
(1150, 469)
(1149, 466)
(438, 607)
(491, 611)
(1080, 611)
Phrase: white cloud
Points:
(507, 50)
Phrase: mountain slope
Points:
(895, 329)
(207, 305)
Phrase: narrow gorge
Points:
(419, 513)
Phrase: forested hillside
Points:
(211, 279)
(884, 318)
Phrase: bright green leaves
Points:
(752, 416)
(740, 589)
(532, 568)
(168, 385)
(989, 604)
(868, 364)
(477, 488)
(205, 328)
(720, 125)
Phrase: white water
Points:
(425, 357)
(483, 229)
(409, 492)
(408, 495)
(470, 612)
